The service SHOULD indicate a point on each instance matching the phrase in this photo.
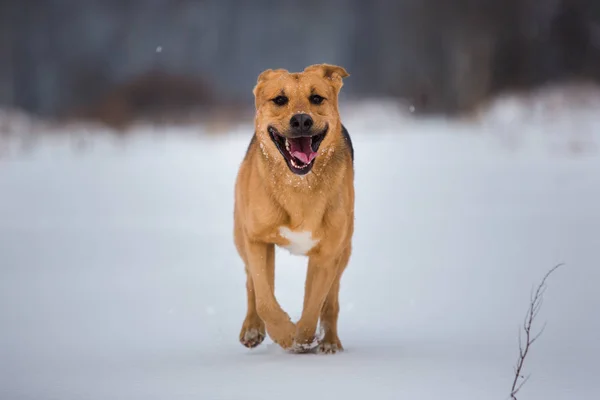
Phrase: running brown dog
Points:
(295, 189)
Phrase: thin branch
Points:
(535, 305)
(515, 391)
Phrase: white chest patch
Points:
(300, 242)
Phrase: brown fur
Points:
(269, 196)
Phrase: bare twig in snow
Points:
(535, 304)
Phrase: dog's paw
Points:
(304, 347)
(329, 348)
(305, 339)
(252, 337)
(253, 332)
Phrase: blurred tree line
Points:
(61, 56)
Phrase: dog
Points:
(295, 189)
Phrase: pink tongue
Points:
(300, 149)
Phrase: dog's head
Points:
(297, 113)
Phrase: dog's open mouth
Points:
(299, 152)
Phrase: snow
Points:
(119, 277)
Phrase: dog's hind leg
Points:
(331, 308)
(253, 328)
(261, 268)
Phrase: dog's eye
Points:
(280, 100)
(316, 99)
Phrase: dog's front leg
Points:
(321, 273)
(278, 324)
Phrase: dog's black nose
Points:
(301, 123)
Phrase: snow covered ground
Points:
(119, 278)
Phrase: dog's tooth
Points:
(287, 145)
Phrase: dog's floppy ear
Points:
(265, 76)
(332, 72)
